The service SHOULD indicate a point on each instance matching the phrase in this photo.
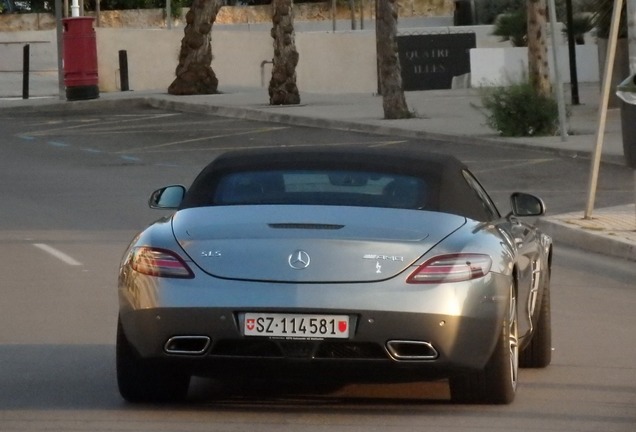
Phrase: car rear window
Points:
(323, 187)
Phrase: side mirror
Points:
(524, 204)
(167, 198)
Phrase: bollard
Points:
(123, 70)
(26, 50)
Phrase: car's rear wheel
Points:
(141, 380)
(538, 353)
(497, 382)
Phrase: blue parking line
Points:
(130, 158)
(59, 144)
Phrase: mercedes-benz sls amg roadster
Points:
(360, 264)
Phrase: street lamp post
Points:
(75, 8)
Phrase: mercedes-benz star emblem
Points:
(299, 260)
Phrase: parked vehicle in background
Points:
(10, 6)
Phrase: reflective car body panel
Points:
(344, 244)
(357, 261)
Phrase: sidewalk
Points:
(451, 115)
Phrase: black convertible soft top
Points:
(446, 173)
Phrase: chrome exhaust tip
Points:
(406, 350)
(187, 345)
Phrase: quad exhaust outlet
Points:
(187, 345)
(407, 350)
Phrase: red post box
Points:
(80, 58)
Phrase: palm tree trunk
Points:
(393, 100)
(538, 70)
(194, 72)
(282, 86)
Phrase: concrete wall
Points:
(341, 62)
(337, 62)
(153, 55)
(500, 66)
(329, 62)
(43, 49)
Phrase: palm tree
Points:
(393, 100)
(602, 20)
(282, 86)
(538, 70)
(512, 27)
(194, 72)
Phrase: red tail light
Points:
(452, 268)
(159, 262)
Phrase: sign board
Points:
(430, 62)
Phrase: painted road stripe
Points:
(509, 165)
(130, 158)
(57, 254)
(168, 144)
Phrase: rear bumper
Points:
(210, 339)
(393, 326)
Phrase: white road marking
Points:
(248, 147)
(169, 144)
(100, 123)
(57, 254)
(513, 165)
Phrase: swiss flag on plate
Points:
(342, 326)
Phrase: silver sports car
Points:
(362, 264)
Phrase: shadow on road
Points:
(83, 377)
(58, 377)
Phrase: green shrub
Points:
(488, 11)
(581, 24)
(512, 27)
(517, 110)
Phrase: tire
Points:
(538, 353)
(497, 382)
(141, 380)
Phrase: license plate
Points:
(296, 325)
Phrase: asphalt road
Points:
(74, 189)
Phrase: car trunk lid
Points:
(309, 244)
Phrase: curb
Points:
(249, 113)
(591, 242)
(296, 120)
(256, 114)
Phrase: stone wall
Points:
(155, 18)
(26, 22)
